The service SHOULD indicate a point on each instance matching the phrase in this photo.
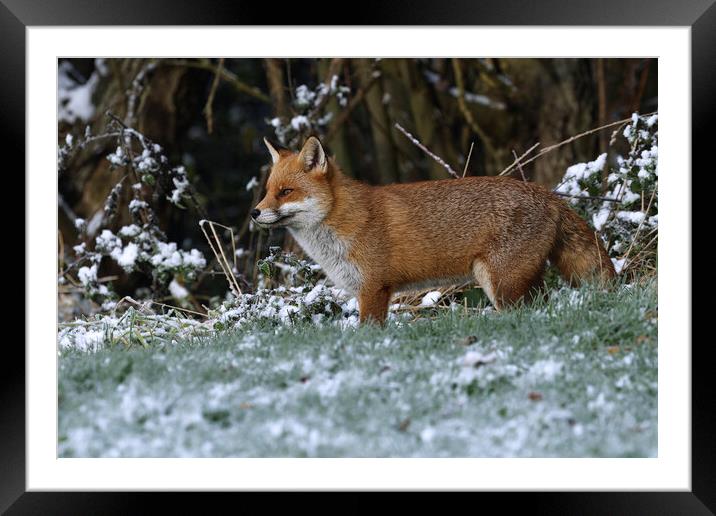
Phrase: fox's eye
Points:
(285, 191)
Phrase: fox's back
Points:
(466, 209)
(440, 227)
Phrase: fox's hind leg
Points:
(511, 282)
(484, 278)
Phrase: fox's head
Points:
(298, 193)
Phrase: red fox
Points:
(374, 241)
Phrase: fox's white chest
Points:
(331, 253)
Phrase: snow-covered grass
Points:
(573, 376)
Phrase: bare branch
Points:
(226, 75)
(570, 140)
(518, 160)
(519, 165)
(208, 108)
(467, 162)
(427, 151)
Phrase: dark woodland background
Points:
(210, 115)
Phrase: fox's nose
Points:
(255, 213)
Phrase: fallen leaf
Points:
(404, 424)
(466, 341)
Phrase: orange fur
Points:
(386, 239)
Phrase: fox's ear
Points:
(274, 153)
(312, 155)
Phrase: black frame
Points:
(700, 15)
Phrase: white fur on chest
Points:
(331, 253)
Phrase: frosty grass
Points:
(575, 376)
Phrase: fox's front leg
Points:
(373, 303)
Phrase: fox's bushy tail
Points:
(578, 252)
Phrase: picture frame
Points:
(17, 15)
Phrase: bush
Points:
(628, 212)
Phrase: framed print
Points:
(419, 251)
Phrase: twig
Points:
(570, 140)
(518, 160)
(466, 113)
(127, 299)
(208, 108)
(136, 90)
(596, 245)
(226, 75)
(588, 197)
(354, 102)
(333, 69)
(519, 165)
(467, 162)
(220, 256)
(641, 251)
(422, 147)
(641, 223)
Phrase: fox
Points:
(377, 240)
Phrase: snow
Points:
(428, 434)
(130, 231)
(194, 259)
(82, 339)
(177, 291)
(167, 256)
(600, 218)
(635, 217)
(580, 172)
(284, 314)
(145, 162)
(117, 157)
(476, 98)
(304, 96)
(87, 275)
(431, 298)
(477, 358)
(618, 264)
(253, 183)
(180, 186)
(74, 99)
(546, 369)
(127, 257)
(313, 294)
(136, 204)
(299, 122)
(107, 241)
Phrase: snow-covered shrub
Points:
(140, 246)
(74, 93)
(628, 219)
(288, 290)
(300, 299)
(308, 112)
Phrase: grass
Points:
(572, 377)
